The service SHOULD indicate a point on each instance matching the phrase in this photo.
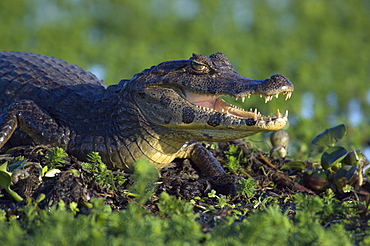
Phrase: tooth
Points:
(236, 98)
(243, 99)
(260, 95)
(277, 96)
(255, 111)
(288, 95)
(286, 114)
(249, 96)
(268, 98)
(278, 114)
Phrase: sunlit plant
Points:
(337, 167)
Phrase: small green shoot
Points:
(233, 159)
(221, 200)
(170, 205)
(247, 187)
(55, 157)
(100, 173)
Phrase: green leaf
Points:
(353, 158)
(40, 198)
(3, 168)
(16, 165)
(344, 175)
(351, 171)
(6, 180)
(330, 136)
(295, 165)
(44, 170)
(345, 172)
(332, 156)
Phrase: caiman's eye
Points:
(199, 67)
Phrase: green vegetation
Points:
(321, 46)
(55, 157)
(315, 221)
(100, 173)
(254, 218)
(6, 181)
(337, 168)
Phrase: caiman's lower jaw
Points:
(218, 104)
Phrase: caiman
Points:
(158, 114)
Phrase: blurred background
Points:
(322, 46)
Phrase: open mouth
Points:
(218, 104)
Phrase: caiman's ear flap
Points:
(220, 56)
(198, 57)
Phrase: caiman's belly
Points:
(123, 153)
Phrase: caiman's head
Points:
(186, 95)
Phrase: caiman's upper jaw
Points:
(218, 104)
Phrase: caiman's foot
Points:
(33, 121)
(217, 179)
(224, 184)
(206, 162)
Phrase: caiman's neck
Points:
(145, 140)
(159, 145)
(159, 148)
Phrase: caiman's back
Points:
(46, 98)
(44, 80)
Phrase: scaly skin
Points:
(159, 114)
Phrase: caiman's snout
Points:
(281, 83)
(280, 78)
(275, 85)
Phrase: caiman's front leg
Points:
(202, 158)
(34, 121)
